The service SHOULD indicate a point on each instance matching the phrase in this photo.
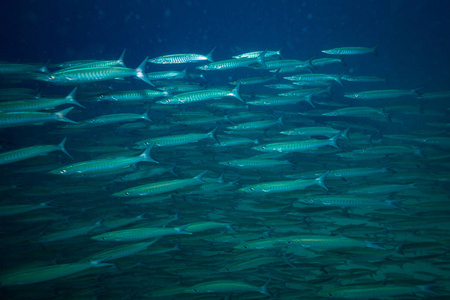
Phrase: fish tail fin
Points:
(61, 115)
(428, 288)
(338, 79)
(71, 98)
(236, 92)
(261, 59)
(120, 60)
(399, 248)
(333, 141)
(212, 135)
(199, 176)
(63, 148)
(209, 55)
(146, 155)
(265, 288)
(344, 134)
(146, 117)
(281, 121)
(309, 100)
(375, 49)
(320, 181)
(140, 72)
(182, 230)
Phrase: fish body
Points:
(26, 153)
(177, 140)
(160, 187)
(138, 234)
(285, 186)
(351, 51)
(182, 58)
(381, 94)
(38, 104)
(101, 165)
(15, 119)
(298, 146)
(203, 95)
(47, 273)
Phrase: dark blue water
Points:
(412, 52)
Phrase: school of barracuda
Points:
(293, 184)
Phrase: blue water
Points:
(412, 38)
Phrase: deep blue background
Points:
(413, 35)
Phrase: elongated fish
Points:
(160, 187)
(38, 104)
(95, 74)
(182, 58)
(298, 146)
(228, 286)
(15, 119)
(286, 186)
(382, 94)
(138, 234)
(203, 95)
(351, 50)
(26, 153)
(47, 273)
(176, 140)
(101, 165)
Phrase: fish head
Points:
(352, 95)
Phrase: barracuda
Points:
(234, 63)
(257, 124)
(176, 140)
(228, 286)
(254, 54)
(351, 201)
(360, 112)
(131, 96)
(47, 273)
(286, 186)
(246, 163)
(160, 187)
(112, 119)
(375, 291)
(182, 58)
(102, 165)
(38, 104)
(351, 50)
(15, 119)
(315, 77)
(328, 242)
(203, 95)
(89, 75)
(299, 146)
(137, 234)
(95, 64)
(281, 100)
(26, 153)
(382, 94)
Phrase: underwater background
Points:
(361, 211)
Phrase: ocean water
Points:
(375, 226)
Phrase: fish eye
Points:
(126, 194)
(195, 290)
(356, 95)
(52, 77)
(63, 171)
(229, 162)
(245, 247)
(263, 148)
(252, 189)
